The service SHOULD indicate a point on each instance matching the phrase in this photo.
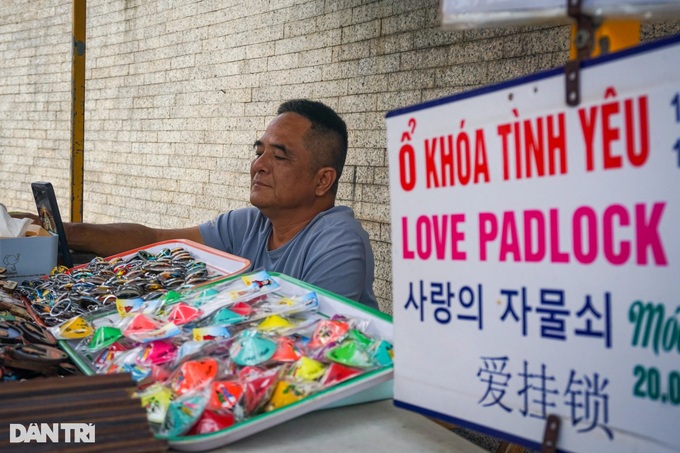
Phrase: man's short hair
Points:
(327, 137)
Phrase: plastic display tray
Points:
(371, 386)
(218, 262)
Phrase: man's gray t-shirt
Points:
(332, 252)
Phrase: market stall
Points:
(215, 354)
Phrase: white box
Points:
(29, 257)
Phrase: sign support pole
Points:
(77, 110)
(591, 37)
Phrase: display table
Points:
(370, 427)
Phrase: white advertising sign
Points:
(466, 14)
(536, 255)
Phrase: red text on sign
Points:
(616, 120)
(534, 147)
(456, 159)
(435, 236)
(535, 236)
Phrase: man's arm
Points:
(112, 238)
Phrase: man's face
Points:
(281, 175)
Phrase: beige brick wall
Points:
(178, 90)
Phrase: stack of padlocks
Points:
(96, 285)
(210, 356)
(27, 349)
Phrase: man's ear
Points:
(325, 178)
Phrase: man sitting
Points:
(294, 227)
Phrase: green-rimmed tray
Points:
(371, 386)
